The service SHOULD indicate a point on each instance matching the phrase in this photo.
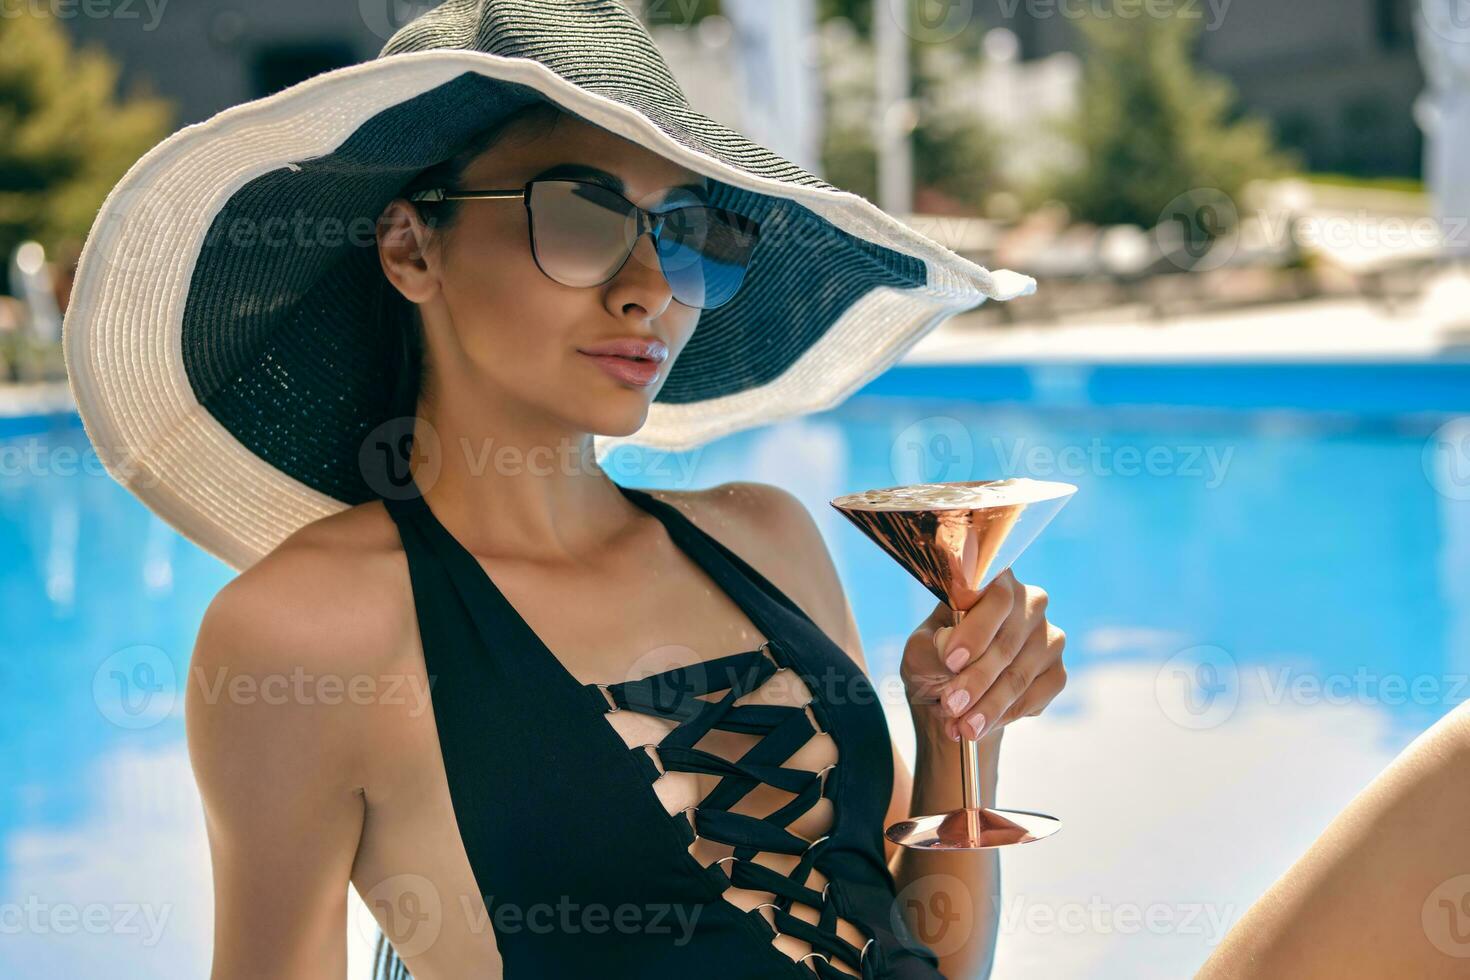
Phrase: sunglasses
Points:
(582, 234)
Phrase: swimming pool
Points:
(1265, 580)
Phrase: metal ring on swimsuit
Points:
(692, 826)
(653, 754)
(774, 928)
(612, 704)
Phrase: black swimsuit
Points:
(582, 871)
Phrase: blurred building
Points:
(1337, 78)
(208, 55)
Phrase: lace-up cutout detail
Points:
(676, 697)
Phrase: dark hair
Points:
(400, 320)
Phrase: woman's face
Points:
(500, 331)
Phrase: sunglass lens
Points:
(581, 232)
(704, 253)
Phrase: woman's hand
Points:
(1002, 662)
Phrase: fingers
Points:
(1024, 686)
(959, 645)
(974, 675)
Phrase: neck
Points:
(515, 485)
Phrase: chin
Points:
(614, 416)
(624, 425)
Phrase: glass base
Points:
(972, 830)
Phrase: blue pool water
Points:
(1264, 578)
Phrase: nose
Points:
(639, 289)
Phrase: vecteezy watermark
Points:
(1445, 916)
(1362, 229)
(929, 21)
(1198, 687)
(136, 687)
(937, 449)
(1097, 458)
(36, 917)
(1448, 19)
(936, 911)
(1212, 12)
(385, 452)
(567, 917)
(412, 912)
(298, 686)
(385, 17)
(673, 673)
(299, 230)
(1099, 917)
(1361, 686)
(408, 909)
(1198, 230)
(940, 449)
(1446, 459)
(150, 12)
(33, 456)
(670, 14)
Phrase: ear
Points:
(403, 251)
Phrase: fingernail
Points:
(957, 659)
(957, 700)
(941, 637)
(976, 723)
(954, 729)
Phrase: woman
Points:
(597, 579)
(546, 725)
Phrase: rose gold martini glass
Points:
(955, 538)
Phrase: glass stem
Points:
(969, 754)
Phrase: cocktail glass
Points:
(955, 538)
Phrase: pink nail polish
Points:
(976, 723)
(957, 659)
(957, 700)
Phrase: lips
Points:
(633, 348)
(633, 360)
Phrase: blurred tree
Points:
(849, 154)
(953, 157)
(1151, 127)
(65, 137)
(857, 12)
(952, 149)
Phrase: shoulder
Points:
(775, 533)
(323, 610)
(333, 585)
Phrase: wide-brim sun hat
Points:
(228, 368)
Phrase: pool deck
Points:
(1436, 329)
(1313, 330)
(35, 398)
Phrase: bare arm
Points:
(274, 762)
